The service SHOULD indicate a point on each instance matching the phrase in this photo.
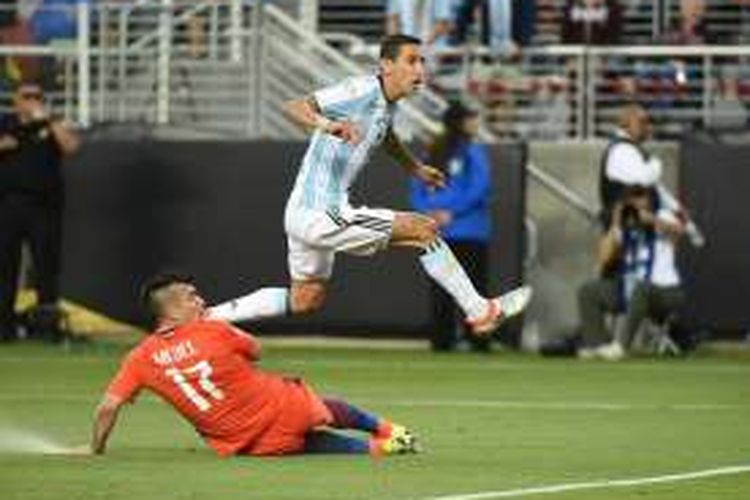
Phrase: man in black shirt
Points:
(32, 146)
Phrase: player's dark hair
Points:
(156, 283)
(390, 46)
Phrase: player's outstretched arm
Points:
(431, 176)
(307, 114)
(105, 418)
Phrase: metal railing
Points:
(224, 65)
(144, 63)
(560, 92)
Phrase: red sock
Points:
(384, 429)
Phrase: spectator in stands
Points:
(524, 21)
(33, 144)
(193, 31)
(665, 84)
(15, 68)
(497, 19)
(7, 13)
(591, 22)
(737, 21)
(461, 210)
(638, 276)
(7, 20)
(690, 26)
(54, 21)
(728, 112)
(431, 20)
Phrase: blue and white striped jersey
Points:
(330, 165)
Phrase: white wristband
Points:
(322, 122)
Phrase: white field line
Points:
(448, 403)
(602, 484)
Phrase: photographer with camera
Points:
(637, 272)
(33, 144)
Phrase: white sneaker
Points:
(500, 308)
(611, 352)
(587, 353)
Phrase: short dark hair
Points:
(390, 46)
(156, 283)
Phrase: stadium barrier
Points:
(715, 183)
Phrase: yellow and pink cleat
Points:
(393, 439)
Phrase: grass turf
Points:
(489, 423)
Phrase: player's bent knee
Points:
(307, 297)
(414, 229)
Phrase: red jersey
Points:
(204, 370)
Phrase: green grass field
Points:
(489, 424)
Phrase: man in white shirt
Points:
(625, 162)
(637, 269)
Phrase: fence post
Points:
(164, 58)
(707, 84)
(235, 31)
(122, 49)
(102, 70)
(213, 30)
(84, 65)
(308, 14)
(582, 69)
(256, 124)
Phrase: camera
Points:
(630, 217)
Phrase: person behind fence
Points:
(33, 144)
(504, 24)
(54, 22)
(591, 22)
(431, 20)
(638, 276)
(461, 211)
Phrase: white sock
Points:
(263, 303)
(443, 267)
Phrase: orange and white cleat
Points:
(499, 309)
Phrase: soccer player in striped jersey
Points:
(348, 121)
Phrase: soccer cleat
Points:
(500, 308)
(399, 441)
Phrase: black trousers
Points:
(37, 222)
(447, 319)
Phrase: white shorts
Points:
(314, 237)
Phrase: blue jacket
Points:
(466, 195)
(55, 19)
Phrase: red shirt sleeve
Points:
(243, 342)
(126, 384)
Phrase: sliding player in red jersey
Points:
(205, 369)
